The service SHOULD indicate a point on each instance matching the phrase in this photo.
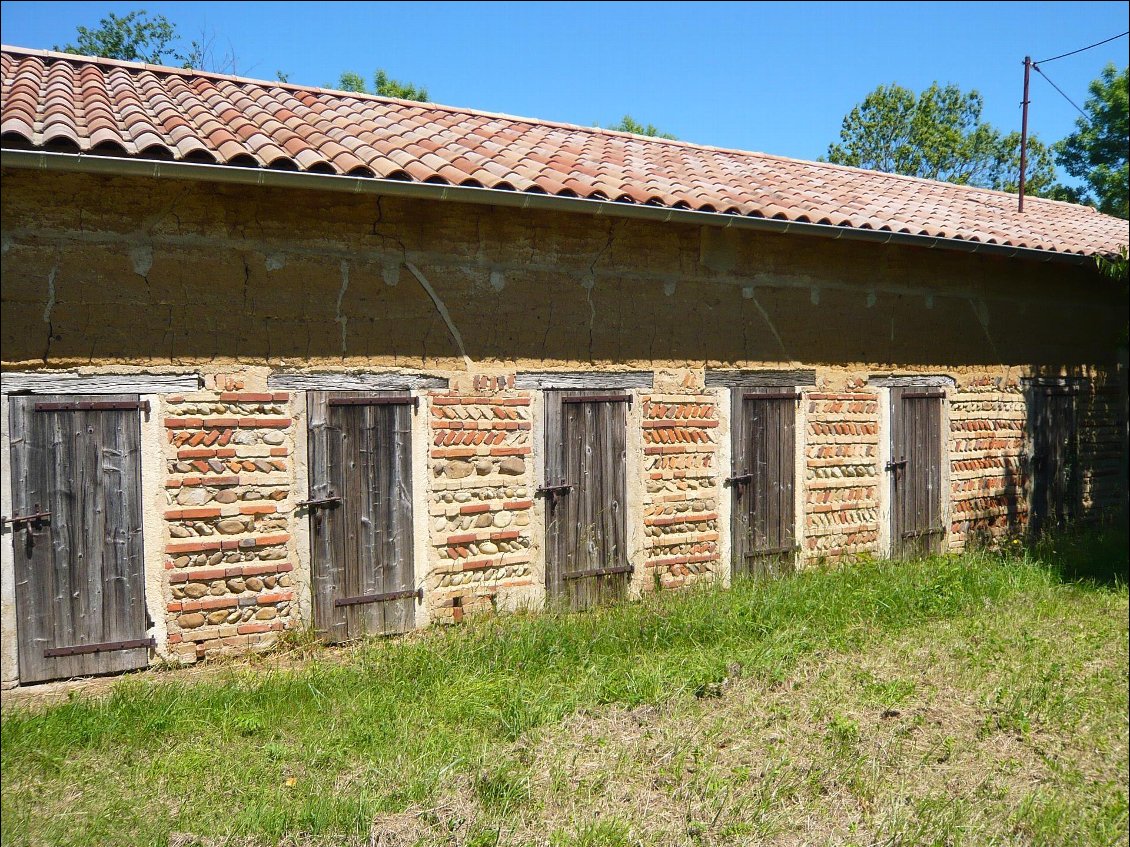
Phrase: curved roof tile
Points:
(190, 115)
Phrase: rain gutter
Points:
(234, 175)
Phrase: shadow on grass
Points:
(1090, 555)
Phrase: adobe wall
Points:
(111, 276)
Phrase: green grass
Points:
(478, 734)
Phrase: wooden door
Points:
(1055, 491)
(917, 523)
(360, 511)
(76, 535)
(585, 491)
(763, 514)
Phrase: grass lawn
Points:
(975, 700)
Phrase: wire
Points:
(1060, 90)
(1081, 49)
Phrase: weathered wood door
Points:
(1055, 456)
(79, 565)
(763, 513)
(585, 491)
(360, 508)
(915, 468)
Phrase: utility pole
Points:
(1024, 131)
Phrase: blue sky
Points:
(774, 77)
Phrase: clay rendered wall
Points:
(235, 285)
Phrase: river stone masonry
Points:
(680, 438)
(988, 468)
(841, 472)
(229, 560)
(480, 497)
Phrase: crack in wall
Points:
(442, 309)
(589, 284)
(49, 308)
(772, 327)
(981, 311)
(339, 317)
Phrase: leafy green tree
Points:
(383, 85)
(1096, 152)
(137, 37)
(134, 37)
(939, 134)
(628, 124)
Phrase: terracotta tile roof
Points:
(76, 104)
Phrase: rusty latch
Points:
(16, 520)
(740, 479)
(321, 503)
(901, 463)
(552, 491)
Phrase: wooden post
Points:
(1024, 131)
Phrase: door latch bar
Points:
(740, 479)
(552, 491)
(901, 463)
(34, 518)
(319, 503)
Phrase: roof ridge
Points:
(673, 142)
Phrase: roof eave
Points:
(154, 169)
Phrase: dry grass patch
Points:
(1007, 726)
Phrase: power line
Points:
(1081, 49)
(1060, 90)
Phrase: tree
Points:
(134, 37)
(1096, 152)
(939, 134)
(383, 85)
(628, 124)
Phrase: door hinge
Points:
(362, 599)
(100, 647)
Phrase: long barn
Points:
(277, 357)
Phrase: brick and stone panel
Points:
(680, 449)
(1102, 428)
(480, 497)
(229, 559)
(841, 473)
(988, 483)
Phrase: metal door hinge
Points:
(360, 600)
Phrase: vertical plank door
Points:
(79, 566)
(585, 491)
(360, 510)
(763, 514)
(1055, 492)
(917, 526)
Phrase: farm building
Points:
(275, 356)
